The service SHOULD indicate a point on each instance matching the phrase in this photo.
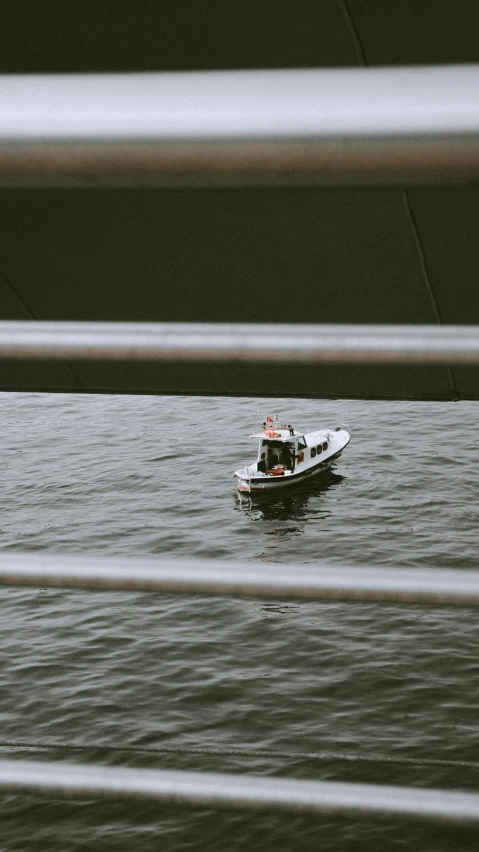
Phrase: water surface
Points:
(351, 692)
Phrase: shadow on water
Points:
(288, 505)
(275, 512)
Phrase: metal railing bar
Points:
(237, 342)
(223, 577)
(298, 103)
(238, 791)
(324, 125)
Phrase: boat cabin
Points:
(280, 450)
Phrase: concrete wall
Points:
(389, 255)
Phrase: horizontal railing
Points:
(221, 577)
(224, 577)
(369, 126)
(241, 342)
(375, 125)
(239, 791)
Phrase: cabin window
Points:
(319, 449)
(301, 444)
(313, 452)
(325, 445)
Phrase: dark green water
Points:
(351, 692)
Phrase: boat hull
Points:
(257, 485)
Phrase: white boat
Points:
(287, 457)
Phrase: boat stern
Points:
(244, 477)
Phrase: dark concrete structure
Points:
(399, 254)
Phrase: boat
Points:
(287, 457)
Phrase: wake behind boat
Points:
(287, 457)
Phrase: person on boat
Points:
(287, 457)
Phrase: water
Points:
(354, 692)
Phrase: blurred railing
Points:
(224, 577)
(238, 791)
(332, 126)
(219, 577)
(241, 342)
(370, 126)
